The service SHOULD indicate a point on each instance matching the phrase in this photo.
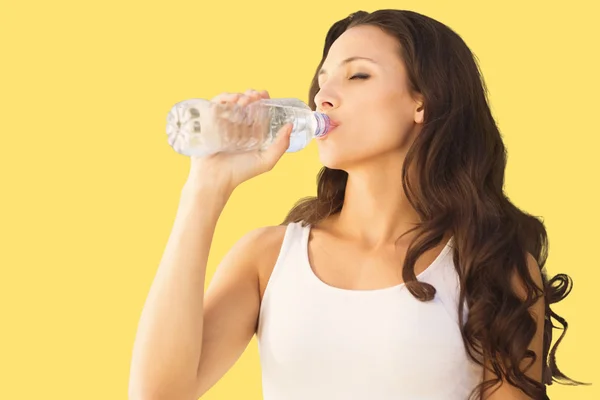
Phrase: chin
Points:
(337, 159)
(344, 152)
(332, 157)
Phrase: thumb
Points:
(282, 142)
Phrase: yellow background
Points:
(90, 186)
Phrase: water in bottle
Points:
(198, 127)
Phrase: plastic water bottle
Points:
(198, 127)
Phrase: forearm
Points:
(169, 339)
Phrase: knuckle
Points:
(224, 97)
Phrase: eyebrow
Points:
(348, 60)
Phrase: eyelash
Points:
(360, 76)
(357, 76)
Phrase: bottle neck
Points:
(323, 124)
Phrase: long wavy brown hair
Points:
(460, 160)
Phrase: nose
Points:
(326, 100)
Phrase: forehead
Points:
(364, 41)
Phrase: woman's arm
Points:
(168, 342)
(503, 390)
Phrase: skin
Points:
(379, 119)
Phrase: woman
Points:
(410, 275)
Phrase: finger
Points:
(244, 100)
(251, 96)
(252, 93)
(249, 134)
(226, 97)
(224, 114)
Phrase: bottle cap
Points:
(323, 124)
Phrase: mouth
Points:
(332, 125)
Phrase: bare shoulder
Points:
(256, 241)
(262, 240)
(232, 302)
(266, 236)
(251, 255)
(266, 244)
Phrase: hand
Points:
(228, 170)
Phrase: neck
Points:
(376, 211)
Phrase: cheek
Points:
(392, 119)
(380, 125)
(374, 125)
(351, 144)
(393, 127)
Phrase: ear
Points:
(419, 113)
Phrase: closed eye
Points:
(353, 77)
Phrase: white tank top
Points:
(320, 342)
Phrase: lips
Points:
(329, 124)
(332, 124)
